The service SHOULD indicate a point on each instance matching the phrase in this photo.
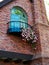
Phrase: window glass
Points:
(18, 18)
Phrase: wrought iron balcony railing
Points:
(17, 26)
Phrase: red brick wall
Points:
(36, 62)
(45, 61)
(10, 42)
(36, 14)
(9, 63)
(44, 39)
(13, 42)
(40, 12)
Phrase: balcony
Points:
(23, 29)
(17, 26)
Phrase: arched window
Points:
(18, 19)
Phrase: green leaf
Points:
(18, 12)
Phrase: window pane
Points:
(18, 18)
(11, 25)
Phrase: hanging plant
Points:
(29, 35)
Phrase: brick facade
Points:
(15, 44)
(37, 18)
